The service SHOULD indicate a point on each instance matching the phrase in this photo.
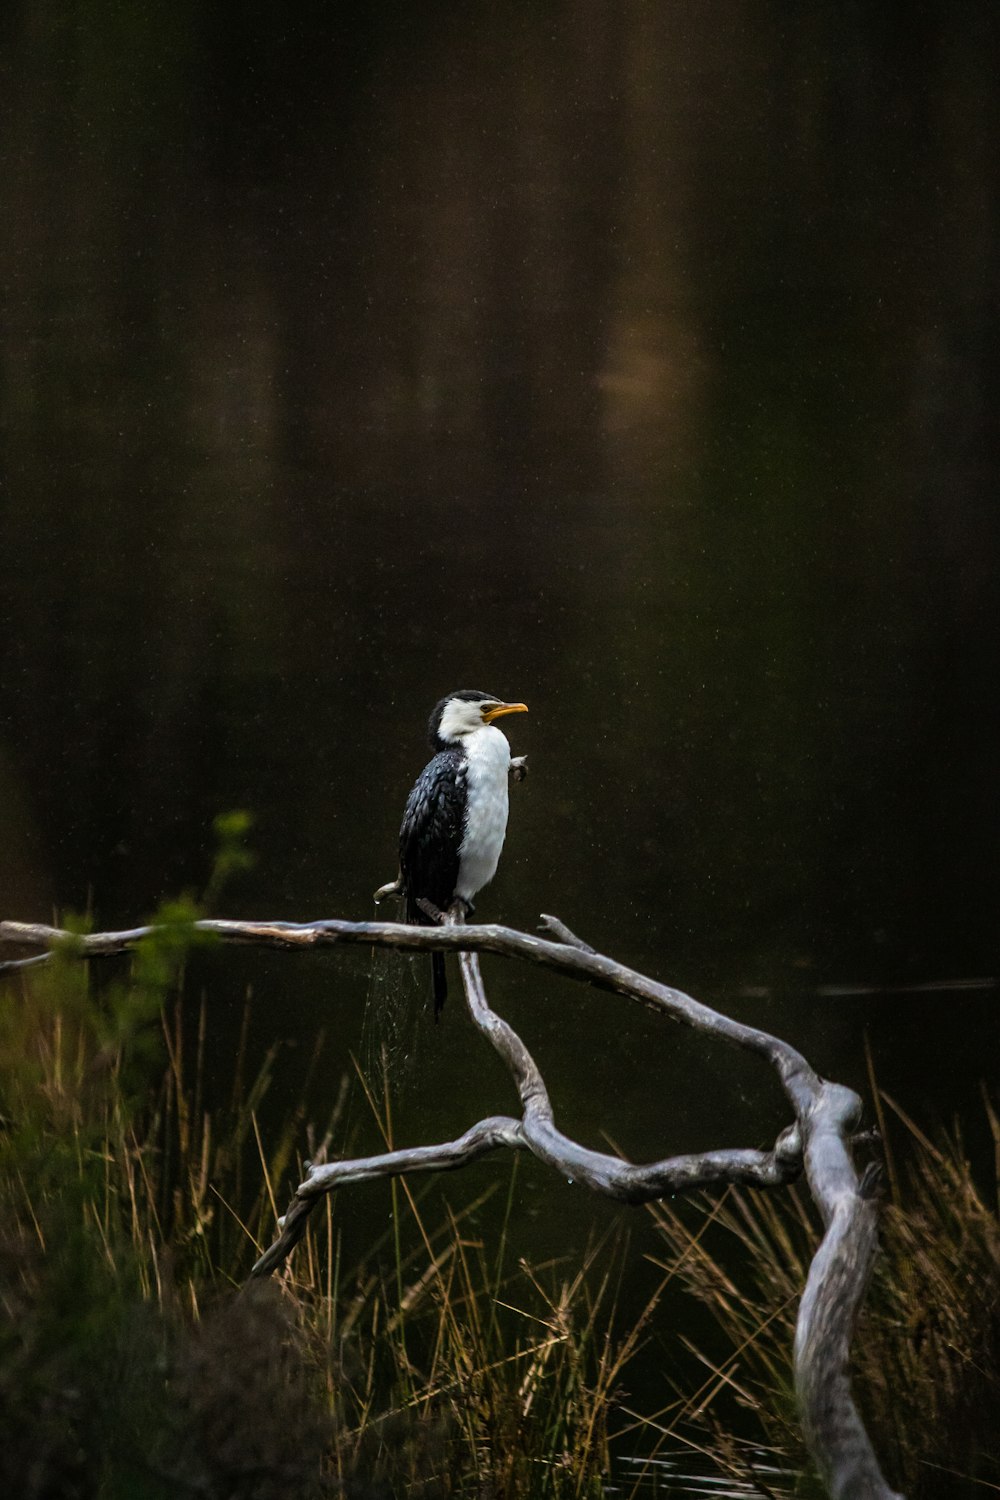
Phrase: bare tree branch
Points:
(562, 934)
(594, 968)
(825, 1116)
(835, 1288)
(487, 1135)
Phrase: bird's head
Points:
(463, 713)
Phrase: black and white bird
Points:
(456, 815)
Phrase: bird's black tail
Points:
(440, 983)
(419, 917)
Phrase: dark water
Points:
(639, 361)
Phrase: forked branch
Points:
(817, 1139)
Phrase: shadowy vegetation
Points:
(437, 1365)
(131, 1365)
(927, 1356)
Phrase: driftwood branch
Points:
(818, 1140)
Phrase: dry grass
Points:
(927, 1369)
(130, 1364)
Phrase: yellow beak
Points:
(504, 708)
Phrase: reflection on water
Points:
(688, 1472)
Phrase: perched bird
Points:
(456, 815)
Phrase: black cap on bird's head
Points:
(464, 712)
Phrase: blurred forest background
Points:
(637, 360)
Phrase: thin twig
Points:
(562, 934)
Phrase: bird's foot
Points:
(434, 913)
(518, 769)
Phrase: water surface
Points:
(636, 363)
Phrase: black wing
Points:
(431, 834)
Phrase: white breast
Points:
(485, 809)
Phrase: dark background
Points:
(639, 361)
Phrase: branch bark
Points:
(818, 1140)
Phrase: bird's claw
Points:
(428, 908)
